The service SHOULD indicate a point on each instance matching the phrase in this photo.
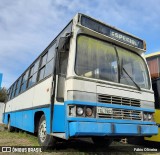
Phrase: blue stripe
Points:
(24, 119)
(108, 105)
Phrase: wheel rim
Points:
(42, 131)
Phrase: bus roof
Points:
(152, 54)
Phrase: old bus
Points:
(91, 81)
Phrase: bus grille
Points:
(118, 100)
(122, 114)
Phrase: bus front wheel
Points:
(45, 140)
(101, 141)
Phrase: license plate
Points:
(102, 110)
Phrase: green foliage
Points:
(3, 95)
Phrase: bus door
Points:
(58, 124)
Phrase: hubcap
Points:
(42, 131)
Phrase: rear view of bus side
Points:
(91, 81)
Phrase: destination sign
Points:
(124, 38)
(111, 32)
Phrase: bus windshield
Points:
(98, 59)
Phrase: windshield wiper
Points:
(131, 79)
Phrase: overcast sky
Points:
(28, 26)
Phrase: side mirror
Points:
(63, 43)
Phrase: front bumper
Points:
(110, 129)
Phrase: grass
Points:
(17, 139)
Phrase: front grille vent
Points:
(122, 114)
(118, 100)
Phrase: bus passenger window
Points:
(41, 73)
(49, 68)
(24, 81)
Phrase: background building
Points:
(0, 79)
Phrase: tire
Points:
(102, 141)
(45, 140)
(9, 127)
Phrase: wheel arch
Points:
(8, 117)
(37, 117)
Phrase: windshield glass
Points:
(134, 66)
(98, 59)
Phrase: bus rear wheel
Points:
(45, 140)
(9, 127)
(101, 141)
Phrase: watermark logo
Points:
(20, 149)
(6, 149)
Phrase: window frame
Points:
(114, 44)
(18, 85)
(42, 67)
(25, 81)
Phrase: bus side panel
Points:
(28, 120)
(25, 119)
(58, 124)
(5, 118)
(13, 119)
(18, 119)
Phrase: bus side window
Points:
(33, 74)
(14, 89)
(47, 63)
(42, 66)
(18, 87)
(24, 82)
(10, 94)
(50, 61)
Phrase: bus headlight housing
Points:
(81, 111)
(145, 117)
(148, 116)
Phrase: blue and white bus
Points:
(91, 81)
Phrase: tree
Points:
(3, 94)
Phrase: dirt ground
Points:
(75, 146)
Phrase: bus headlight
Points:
(89, 111)
(145, 117)
(148, 117)
(79, 111)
